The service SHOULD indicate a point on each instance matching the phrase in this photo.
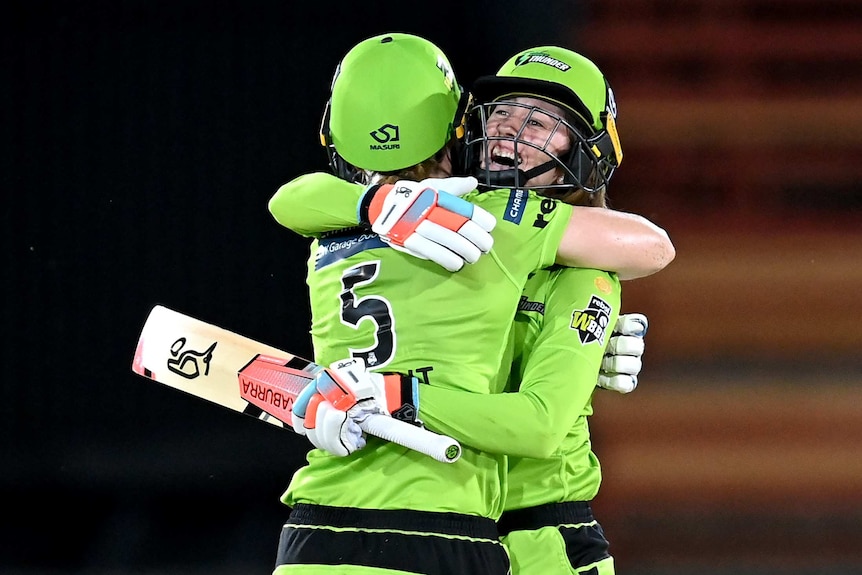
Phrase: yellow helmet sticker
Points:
(615, 138)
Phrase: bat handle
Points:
(440, 447)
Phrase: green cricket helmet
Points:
(568, 80)
(395, 103)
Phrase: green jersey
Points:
(562, 329)
(408, 315)
(555, 362)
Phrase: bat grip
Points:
(440, 447)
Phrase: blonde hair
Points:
(577, 196)
(432, 167)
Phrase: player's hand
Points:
(325, 426)
(429, 220)
(622, 361)
(330, 410)
(350, 387)
(454, 185)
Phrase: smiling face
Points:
(525, 132)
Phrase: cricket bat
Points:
(250, 377)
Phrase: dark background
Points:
(142, 140)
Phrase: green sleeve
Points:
(558, 372)
(315, 203)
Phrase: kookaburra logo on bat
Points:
(187, 362)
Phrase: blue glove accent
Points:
(300, 404)
(419, 206)
(415, 397)
(324, 383)
(455, 204)
(637, 320)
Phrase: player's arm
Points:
(556, 382)
(310, 205)
(419, 218)
(558, 370)
(316, 203)
(559, 377)
(628, 244)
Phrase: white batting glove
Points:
(622, 361)
(429, 220)
(349, 386)
(327, 427)
(455, 185)
(333, 430)
(330, 410)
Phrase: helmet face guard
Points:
(588, 163)
(569, 82)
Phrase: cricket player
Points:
(548, 525)
(388, 509)
(561, 322)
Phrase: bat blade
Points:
(250, 377)
(217, 365)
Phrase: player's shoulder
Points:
(584, 280)
(350, 247)
(314, 182)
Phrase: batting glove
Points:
(422, 219)
(326, 427)
(350, 387)
(622, 361)
(329, 411)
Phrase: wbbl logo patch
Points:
(592, 323)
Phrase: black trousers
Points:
(411, 541)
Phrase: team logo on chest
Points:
(592, 322)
